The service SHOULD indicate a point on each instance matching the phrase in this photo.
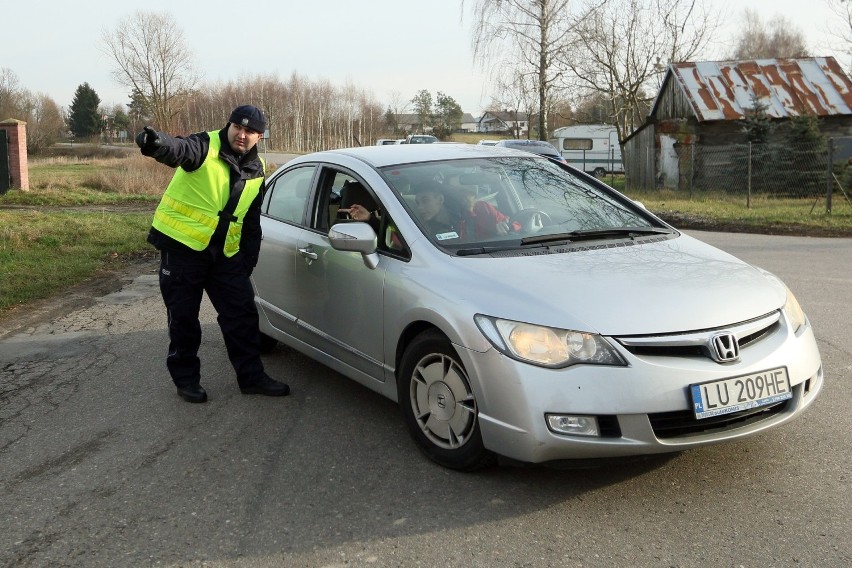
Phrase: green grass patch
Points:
(763, 213)
(42, 253)
(475, 137)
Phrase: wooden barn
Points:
(703, 105)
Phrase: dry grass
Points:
(128, 175)
(137, 175)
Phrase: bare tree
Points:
(523, 35)
(619, 47)
(757, 40)
(517, 93)
(841, 26)
(45, 124)
(397, 106)
(10, 94)
(152, 59)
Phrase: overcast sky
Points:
(387, 47)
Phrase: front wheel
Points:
(438, 404)
(599, 173)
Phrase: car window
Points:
(287, 195)
(500, 201)
(338, 190)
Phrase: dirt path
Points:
(82, 295)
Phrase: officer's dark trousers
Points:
(184, 276)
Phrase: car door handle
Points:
(307, 252)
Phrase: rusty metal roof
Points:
(722, 90)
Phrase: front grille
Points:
(683, 422)
(756, 336)
(667, 350)
(699, 343)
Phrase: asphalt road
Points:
(101, 464)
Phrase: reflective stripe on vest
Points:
(189, 209)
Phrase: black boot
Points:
(264, 384)
(192, 393)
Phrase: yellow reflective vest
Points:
(189, 209)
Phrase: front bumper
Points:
(638, 403)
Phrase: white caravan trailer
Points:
(593, 148)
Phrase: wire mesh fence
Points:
(810, 171)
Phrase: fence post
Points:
(691, 167)
(828, 185)
(748, 185)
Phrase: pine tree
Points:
(757, 125)
(84, 119)
(805, 155)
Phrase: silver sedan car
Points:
(516, 307)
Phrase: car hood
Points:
(676, 285)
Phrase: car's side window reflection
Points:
(288, 195)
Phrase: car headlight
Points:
(794, 312)
(547, 346)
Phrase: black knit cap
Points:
(249, 116)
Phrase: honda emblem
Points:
(724, 348)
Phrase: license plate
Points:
(740, 393)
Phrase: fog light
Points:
(573, 425)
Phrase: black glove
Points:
(148, 141)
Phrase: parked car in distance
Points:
(419, 139)
(516, 307)
(488, 142)
(386, 141)
(535, 146)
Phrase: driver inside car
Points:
(472, 219)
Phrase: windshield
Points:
(512, 202)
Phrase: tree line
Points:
(302, 115)
(557, 61)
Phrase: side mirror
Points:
(358, 237)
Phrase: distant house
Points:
(411, 123)
(514, 124)
(468, 123)
(703, 104)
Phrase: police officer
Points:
(207, 229)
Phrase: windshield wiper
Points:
(615, 232)
(473, 251)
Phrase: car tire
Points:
(438, 404)
(267, 343)
(599, 173)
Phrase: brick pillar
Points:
(18, 167)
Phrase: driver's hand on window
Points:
(359, 213)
